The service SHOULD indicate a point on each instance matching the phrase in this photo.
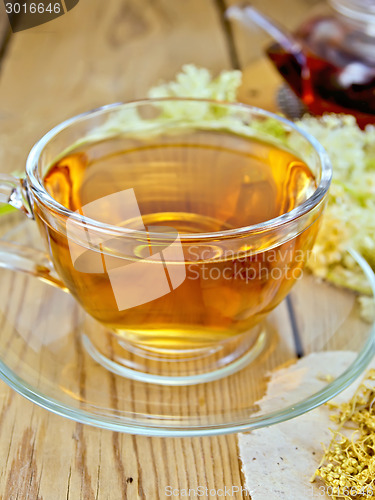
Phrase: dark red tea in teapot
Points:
(329, 62)
(338, 74)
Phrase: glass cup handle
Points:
(14, 192)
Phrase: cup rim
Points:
(43, 196)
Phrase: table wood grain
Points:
(102, 52)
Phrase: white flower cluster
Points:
(196, 82)
(349, 220)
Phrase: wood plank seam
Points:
(228, 31)
(295, 329)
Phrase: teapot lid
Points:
(357, 10)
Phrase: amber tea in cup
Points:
(195, 182)
(178, 225)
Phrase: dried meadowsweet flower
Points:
(348, 464)
(348, 221)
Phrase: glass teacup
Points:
(178, 225)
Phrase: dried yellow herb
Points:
(348, 464)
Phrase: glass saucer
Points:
(42, 356)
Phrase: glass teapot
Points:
(329, 61)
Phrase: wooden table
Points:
(105, 51)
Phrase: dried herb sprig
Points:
(348, 464)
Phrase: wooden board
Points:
(102, 52)
(98, 53)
